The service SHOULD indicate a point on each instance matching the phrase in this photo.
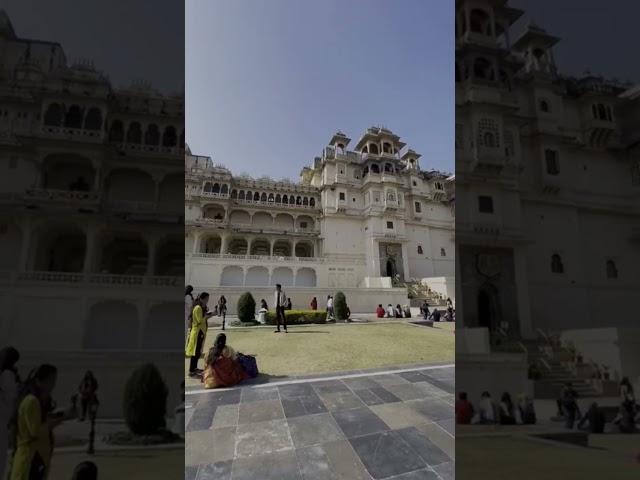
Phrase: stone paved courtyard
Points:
(397, 425)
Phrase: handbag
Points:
(248, 364)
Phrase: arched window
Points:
(73, 118)
(93, 120)
(312, 202)
(263, 197)
(134, 134)
(602, 112)
(234, 193)
(488, 135)
(207, 187)
(373, 148)
(375, 168)
(256, 197)
(479, 22)
(292, 200)
(386, 147)
(305, 201)
(216, 188)
(299, 200)
(544, 106)
(241, 195)
(152, 135)
(483, 69)
(420, 252)
(443, 252)
(271, 198)
(225, 189)
(556, 264)
(612, 270)
(278, 198)
(391, 196)
(53, 115)
(285, 199)
(116, 132)
(169, 137)
(248, 196)
(388, 167)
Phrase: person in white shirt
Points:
(329, 307)
(390, 311)
(488, 410)
(9, 356)
(280, 302)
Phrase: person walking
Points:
(87, 392)
(197, 333)
(424, 309)
(188, 306)
(329, 307)
(314, 303)
(9, 382)
(222, 309)
(280, 302)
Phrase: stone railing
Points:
(277, 259)
(152, 149)
(261, 203)
(214, 195)
(73, 133)
(99, 279)
(54, 195)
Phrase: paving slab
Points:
(225, 416)
(358, 422)
(341, 401)
(386, 455)
(399, 415)
(254, 439)
(215, 471)
(314, 430)
(274, 466)
(260, 411)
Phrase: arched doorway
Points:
(488, 307)
(391, 268)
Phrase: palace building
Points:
(92, 256)
(365, 220)
(548, 176)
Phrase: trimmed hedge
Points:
(340, 306)
(246, 307)
(298, 317)
(145, 400)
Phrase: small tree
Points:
(145, 400)
(246, 307)
(340, 306)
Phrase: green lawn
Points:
(149, 464)
(333, 348)
(507, 458)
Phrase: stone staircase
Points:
(555, 373)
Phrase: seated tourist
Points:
(595, 418)
(221, 366)
(380, 311)
(398, 311)
(464, 410)
(506, 412)
(262, 313)
(406, 311)
(487, 412)
(390, 312)
(435, 315)
(314, 303)
(526, 410)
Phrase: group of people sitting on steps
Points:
(488, 412)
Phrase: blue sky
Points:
(269, 82)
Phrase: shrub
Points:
(298, 317)
(246, 308)
(340, 306)
(145, 400)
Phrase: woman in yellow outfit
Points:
(197, 333)
(35, 424)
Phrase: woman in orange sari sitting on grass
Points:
(221, 366)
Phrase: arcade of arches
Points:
(213, 243)
(258, 276)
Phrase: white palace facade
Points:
(91, 256)
(548, 176)
(362, 220)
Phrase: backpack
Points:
(248, 364)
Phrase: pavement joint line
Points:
(320, 379)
